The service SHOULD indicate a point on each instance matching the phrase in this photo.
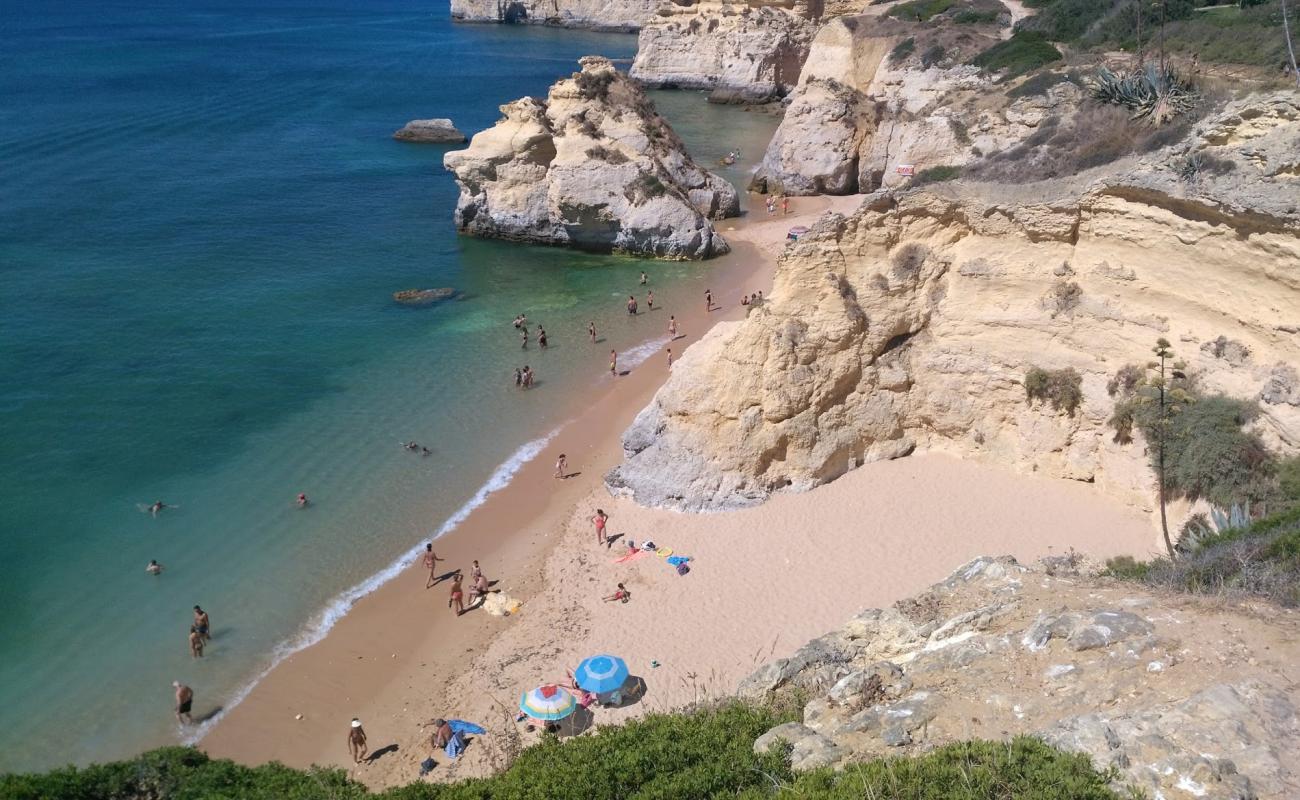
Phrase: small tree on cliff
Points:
(1158, 395)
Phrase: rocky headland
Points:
(741, 54)
(601, 15)
(912, 323)
(592, 166)
(1184, 698)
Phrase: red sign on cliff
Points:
(906, 169)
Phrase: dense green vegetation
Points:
(920, 10)
(1261, 559)
(701, 754)
(1250, 34)
(938, 174)
(1024, 52)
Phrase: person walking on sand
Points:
(631, 304)
(708, 300)
(643, 278)
(202, 623)
(196, 643)
(622, 595)
(561, 469)
(457, 600)
(154, 568)
(591, 331)
(785, 203)
(613, 362)
(184, 702)
(357, 742)
(672, 326)
(600, 519)
(431, 563)
(670, 358)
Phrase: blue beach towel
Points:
(461, 726)
(675, 560)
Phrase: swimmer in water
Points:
(302, 500)
(157, 506)
(154, 568)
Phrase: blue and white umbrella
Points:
(601, 673)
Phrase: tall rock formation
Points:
(592, 166)
(863, 108)
(911, 324)
(742, 54)
(601, 15)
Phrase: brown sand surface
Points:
(763, 581)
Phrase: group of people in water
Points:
(772, 201)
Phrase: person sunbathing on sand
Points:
(622, 595)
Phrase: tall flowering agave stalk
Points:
(1152, 94)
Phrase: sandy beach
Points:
(763, 580)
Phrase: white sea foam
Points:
(323, 621)
(636, 356)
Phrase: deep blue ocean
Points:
(203, 217)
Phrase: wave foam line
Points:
(329, 616)
(638, 355)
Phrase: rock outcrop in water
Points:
(433, 131)
(1184, 698)
(601, 15)
(912, 323)
(592, 166)
(741, 54)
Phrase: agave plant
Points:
(1198, 529)
(1154, 94)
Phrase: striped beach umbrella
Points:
(603, 673)
(548, 703)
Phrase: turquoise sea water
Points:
(202, 219)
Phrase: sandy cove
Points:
(763, 580)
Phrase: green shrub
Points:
(972, 17)
(920, 10)
(1036, 84)
(938, 174)
(1126, 568)
(933, 55)
(902, 50)
(1024, 52)
(700, 754)
(1061, 388)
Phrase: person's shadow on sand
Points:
(444, 576)
(609, 540)
(380, 753)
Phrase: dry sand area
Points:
(763, 582)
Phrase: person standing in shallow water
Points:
(650, 300)
(591, 331)
(202, 623)
(541, 337)
(184, 702)
(672, 326)
(523, 338)
(644, 279)
(631, 304)
(613, 362)
(708, 300)
(196, 643)
(357, 746)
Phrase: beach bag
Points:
(683, 568)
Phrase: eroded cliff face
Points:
(1184, 698)
(911, 323)
(602, 15)
(593, 166)
(860, 112)
(742, 54)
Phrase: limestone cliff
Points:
(742, 54)
(911, 324)
(602, 15)
(1183, 698)
(863, 109)
(592, 166)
